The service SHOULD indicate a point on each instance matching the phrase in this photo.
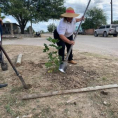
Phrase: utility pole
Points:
(111, 12)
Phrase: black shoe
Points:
(3, 85)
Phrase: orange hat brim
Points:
(69, 15)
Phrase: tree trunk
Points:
(22, 29)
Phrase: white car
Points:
(106, 30)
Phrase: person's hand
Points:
(82, 18)
(71, 42)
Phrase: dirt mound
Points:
(75, 77)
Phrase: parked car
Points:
(106, 30)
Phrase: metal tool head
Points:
(63, 67)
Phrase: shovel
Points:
(17, 73)
(64, 64)
(4, 65)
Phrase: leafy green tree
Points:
(115, 22)
(50, 9)
(94, 18)
(32, 10)
(51, 27)
(7, 21)
(1, 15)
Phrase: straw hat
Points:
(70, 13)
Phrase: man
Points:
(1, 23)
(64, 32)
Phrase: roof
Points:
(11, 23)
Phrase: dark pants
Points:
(63, 44)
(1, 43)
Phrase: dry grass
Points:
(91, 70)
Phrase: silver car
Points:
(106, 30)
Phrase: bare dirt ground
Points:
(91, 70)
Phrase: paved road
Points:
(84, 43)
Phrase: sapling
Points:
(54, 59)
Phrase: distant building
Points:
(80, 29)
(11, 29)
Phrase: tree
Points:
(115, 22)
(31, 10)
(1, 15)
(50, 9)
(94, 18)
(7, 21)
(51, 27)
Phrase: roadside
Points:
(83, 43)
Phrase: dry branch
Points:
(40, 95)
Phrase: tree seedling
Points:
(54, 59)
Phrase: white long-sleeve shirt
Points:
(66, 28)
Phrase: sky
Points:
(79, 7)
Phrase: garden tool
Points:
(4, 66)
(63, 65)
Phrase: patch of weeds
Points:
(10, 101)
(112, 115)
(47, 112)
(65, 112)
(96, 98)
(16, 89)
(60, 104)
(21, 103)
(104, 78)
(37, 100)
(9, 110)
(54, 59)
(34, 109)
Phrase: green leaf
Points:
(52, 45)
(46, 48)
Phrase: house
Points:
(10, 29)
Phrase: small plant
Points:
(9, 110)
(52, 51)
(104, 78)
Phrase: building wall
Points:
(10, 28)
(89, 31)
